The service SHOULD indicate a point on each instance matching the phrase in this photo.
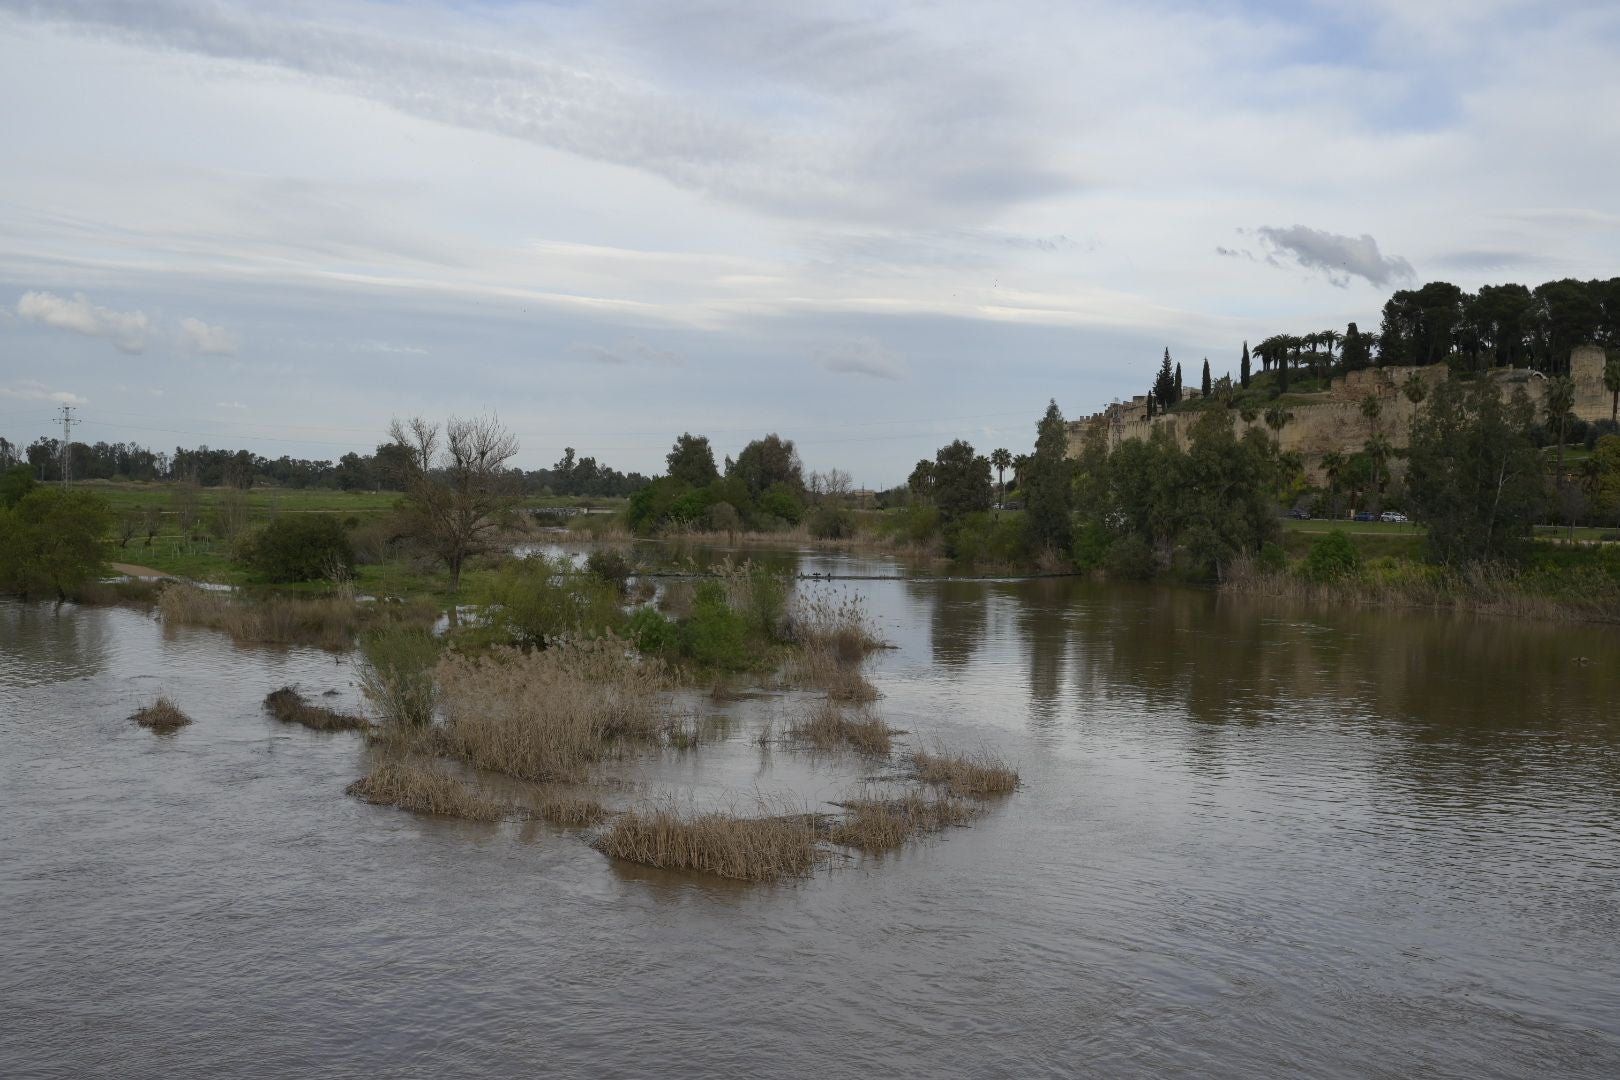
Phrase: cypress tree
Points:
(1178, 384)
(1164, 386)
(1205, 388)
(1243, 371)
(1152, 396)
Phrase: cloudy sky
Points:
(276, 226)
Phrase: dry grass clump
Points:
(980, 774)
(548, 715)
(839, 625)
(425, 788)
(291, 707)
(829, 727)
(162, 716)
(329, 622)
(746, 848)
(571, 810)
(879, 824)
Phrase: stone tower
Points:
(1592, 399)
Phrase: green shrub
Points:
(651, 632)
(397, 676)
(53, 542)
(300, 547)
(780, 500)
(832, 523)
(611, 566)
(921, 524)
(536, 602)
(1332, 556)
(715, 635)
(1272, 559)
(1131, 558)
(1091, 543)
(766, 606)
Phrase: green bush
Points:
(300, 547)
(1332, 556)
(536, 602)
(1272, 558)
(1091, 543)
(53, 542)
(611, 566)
(652, 632)
(780, 500)
(766, 609)
(832, 523)
(1131, 558)
(715, 635)
(397, 676)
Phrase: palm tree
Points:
(1560, 403)
(1370, 408)
(1223, 390)
(1415, 389)
(1330, 339)
(1611, 383)
(1333, 468)
(1277, 418)
(1001, 458)
(1378, 449)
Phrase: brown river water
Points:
(1251, 841)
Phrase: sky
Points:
(872, 228)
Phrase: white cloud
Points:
(860, 356)
(1338, 257)
(229, 405)
(125, 329)
(29, 390)
(198, 337)
(629, 351)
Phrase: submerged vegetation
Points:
(162, 716)
(426, 787)
(758, 848)
(291, 707)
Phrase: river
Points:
(1250, 841)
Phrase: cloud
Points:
(630, 351)
(229, 405)
(198, 337)
(389, 347)
(29, 390)
(1487, 259)
(860, 356)
(1338, 257)
(125, 329)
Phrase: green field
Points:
(267, 500)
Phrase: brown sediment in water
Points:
(162, 716)
(291, 707)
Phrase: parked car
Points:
(1393, 516)
(1366, 515)
(1301, 515)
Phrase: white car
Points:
(1393, 516)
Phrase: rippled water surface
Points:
(1250, 842)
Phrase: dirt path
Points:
(132, 570)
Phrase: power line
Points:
(67, 444)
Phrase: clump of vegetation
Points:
(1332, 558)
(300, 547)
(567, 809)
(536, 602)
(330, 622)
(162, 716)
(426, 788)
(834, 638)
(291, 707)
(548, 715)
(977, 775)
(53, 542)
(829, 727)
(873, 823)
(397, 676)
(612, 567)
(766, 848)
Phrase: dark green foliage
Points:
(691, 461)
(1272, 558)
(1475, 478)
(536, 602)
(1205, 388)
(781, 500)
(53, 542)
(1164, 384)
(300, 547)
(831, 523)
(1332, 558)
(652, 632)
(1131, 558)
(1243, 368)
(1091, 544)
(961, 481)
(1048, 488)
(15, 483)
(981, 538)
(765, 463)
(1178, 384)
(611, 566)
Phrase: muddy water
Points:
(1250, 842)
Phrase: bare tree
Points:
(459, 497)
(837, 483)
(187, 509)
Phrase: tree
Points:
(15, 483)
(1277, 418)
(1047, 485)
(1415, 388)
(1178, 383)
(961, 481)
(455, 505)
(1475, 478)
(301, 547)
(921, 480)
(1356, 352)
(1611, 383)
(1560, 405)
(1205, 387)
(1243, 367)
(1164, 385)
(53, 541)
(691, 461)
(766, 462)
(1001, 460)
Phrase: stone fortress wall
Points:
(1332, 419)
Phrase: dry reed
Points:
(564, 808)
(426, 788)
(828, 727)
(548, 715)
(978, 775)
(746, 848)
(162, 716)
(878, 824)
(326, 621)
(290, 707)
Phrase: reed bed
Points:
(548, 715)
(330, 622)
(291, 707)
(767, 848)
(568, 809)
(427, 788)
(162, 716)
(829, 727)
(977, 775)
(882, 824)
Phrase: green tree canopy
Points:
(767, 462)
(961, 481)
(1048, 485)
(691, 460)
(53, 541)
